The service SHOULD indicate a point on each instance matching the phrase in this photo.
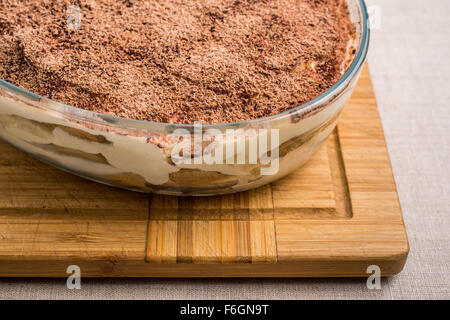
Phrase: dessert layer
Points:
(176, 61)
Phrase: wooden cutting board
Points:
(334, 217)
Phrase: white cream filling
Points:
(126, 154)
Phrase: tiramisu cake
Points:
(171, 63)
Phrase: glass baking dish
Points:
(173, 158)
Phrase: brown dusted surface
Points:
(176, 61)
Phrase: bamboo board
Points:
(334, 217)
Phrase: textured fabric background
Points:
(410, 66)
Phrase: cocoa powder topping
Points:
(176, 61)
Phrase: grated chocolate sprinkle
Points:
(177, 61)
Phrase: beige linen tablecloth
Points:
(410, 66)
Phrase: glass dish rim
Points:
(90, 116)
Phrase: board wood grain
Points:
(332, 218)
